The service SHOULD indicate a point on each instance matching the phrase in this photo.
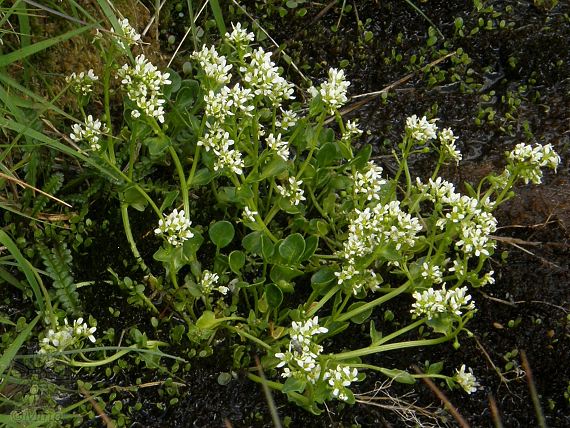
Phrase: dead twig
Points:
(532, 389)
(439, 393)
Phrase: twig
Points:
(439, 393)
(484, 351)
(532, 389)
(372, 95)
(495, 412)
(24, 184)
(268, 396)
(108, 422)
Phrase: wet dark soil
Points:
(527, 64)
(528, 308)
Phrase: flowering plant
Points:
(295, 233)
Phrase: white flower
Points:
(83, 82)
(209, 280)
(67, 336)
(339, 379)
(528, 161)
(351, 130)
(466, 379)
(263, 77)
(288, 120)
(293, 192)
(175, 227)
(239, 36)
(447, 140)
(421, 130)
(91, 132)
(333, 91)
(281, 148)
(214, 65)
(432, 302)
(143, 84)
(346, 274)
(129, 37)
(431, 272)
(249, 215)
(370, 182)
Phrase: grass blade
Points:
(12, 350)
(25, 52)
(24, 266)
(218, 16)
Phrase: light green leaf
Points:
(221, 233)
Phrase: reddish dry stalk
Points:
(439, 393)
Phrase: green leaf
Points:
(322, 277)
(327, 154)
(361, 317)
(294, 385)
(273, 168)
(311, 244)
(267, 248)
(186, 96)
(441, 324)
(375, 335)
(274, 296)
(362, 157)
(292, 248)
(252, 242)
(168, 199)
(221, 233)
(207, 320)
(400, 376)
(435, 368)
(203, 176)
(20, 54)
(192, 245)
(284, 273)
(236, 261)
(157, 145)
(134, 198)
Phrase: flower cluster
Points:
(528, 161)
(82, 83)
(340, 379)
(214, 65)
(227, 158)
(433, 303)
(280, 147)
(333, 91)
(369, 182)
(381, 224)
(288, 120)
(466, 379)
(294, 193)
(447, 141)
(262, 75)
(209, 282)
(469, 215)
(143, 84)
(90, 132)
(421, 130)
(239, 36)
(130, 36)
(351, 131)
(67, 336)
(301, 357)
(175, 227)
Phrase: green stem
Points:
(129, 234)
(279, 387)
(321, 303)
(394, 346)
(182, 178)
(348, 315)
(195, 162)
(249, 336)
(400, 332)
